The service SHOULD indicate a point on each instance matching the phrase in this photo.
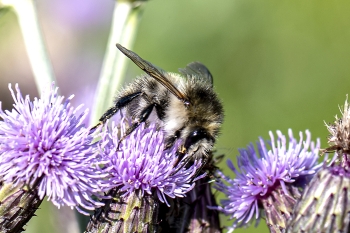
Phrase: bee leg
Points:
(120, 103)
(142, 118)
(180, 153)
(179, 159)
(184, 163)
(199, 170)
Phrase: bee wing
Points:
(198, 69)
(153, 72)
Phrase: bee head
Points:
(198, 142)
(196, 136)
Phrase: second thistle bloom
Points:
(261, 171)
(141, 163)
(141, 175)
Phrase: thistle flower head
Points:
(339, 137)
(141, 163)
(44, 143)
(260, 172)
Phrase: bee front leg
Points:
(199, 170)
(137, 121)
(185, 161)
(120, 103)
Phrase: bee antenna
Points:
(154, 73)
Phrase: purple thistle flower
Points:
(141, 163)
(258, 174)
(43, 143)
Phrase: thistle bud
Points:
(325, 203)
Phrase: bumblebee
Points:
(184, 105)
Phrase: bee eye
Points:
(195, 136)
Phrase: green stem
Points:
(126, 18)
(17, 206)
(34, 42)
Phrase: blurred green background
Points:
(276, 64)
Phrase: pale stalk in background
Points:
(33, 40)
(40, 62)
(126, 18)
